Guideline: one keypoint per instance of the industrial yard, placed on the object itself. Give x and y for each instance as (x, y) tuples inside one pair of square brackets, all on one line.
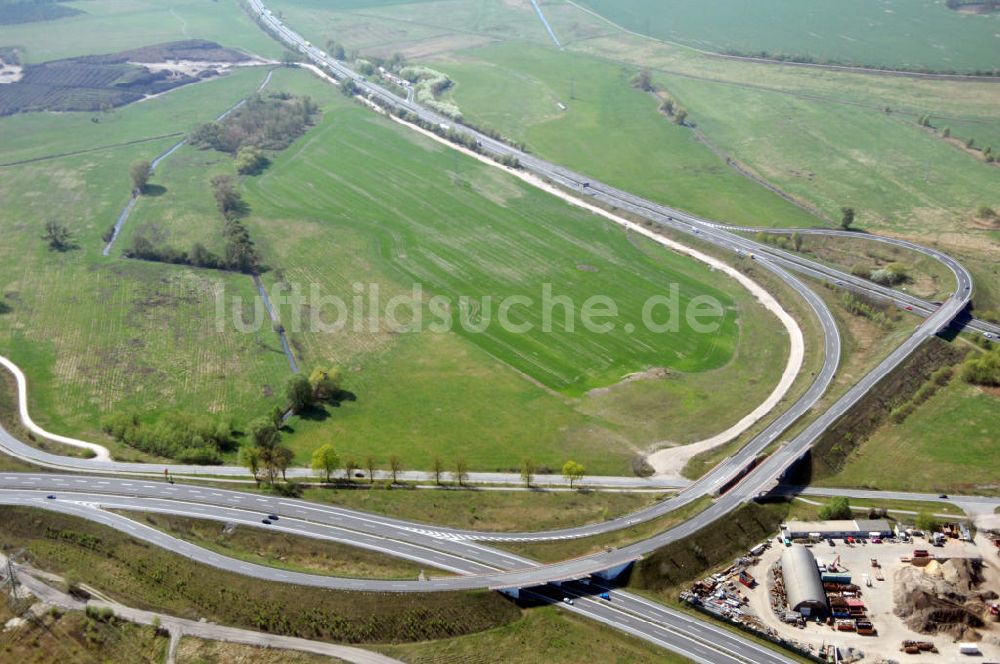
[(859, 596)]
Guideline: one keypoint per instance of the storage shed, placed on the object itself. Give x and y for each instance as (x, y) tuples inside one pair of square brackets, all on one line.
[(802, 581)]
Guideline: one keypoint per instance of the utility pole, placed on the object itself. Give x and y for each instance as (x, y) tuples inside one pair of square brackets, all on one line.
[(11, 577)]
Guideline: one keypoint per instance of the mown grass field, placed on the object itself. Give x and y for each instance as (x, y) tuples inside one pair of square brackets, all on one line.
[(949, 445), (892, 33), (108, 26)]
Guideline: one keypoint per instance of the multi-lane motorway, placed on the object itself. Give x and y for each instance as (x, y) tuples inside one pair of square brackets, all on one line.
[(466, 555)]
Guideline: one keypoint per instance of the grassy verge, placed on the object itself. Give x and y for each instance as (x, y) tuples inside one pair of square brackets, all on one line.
[(556, 550), (488, 510), (281, 550), (807, 511), (141, 575), (544, 634), (74, 638)]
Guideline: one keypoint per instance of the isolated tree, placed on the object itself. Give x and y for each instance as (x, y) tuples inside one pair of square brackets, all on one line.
[(396, 466), (58, 236), (643, 80), (970, 143), (926, 522), (336, 50), (349, 467), (283, 456), (140, 171), (371, 465), (667, 107), (986, 212), (680, 117), (946, 132), (299, 393), (797, 241), (528, 472), (838, 508), (461, 471), (846, 217), (249, 458), (263, 433), (438, 469), (325, 460), (573, 471), (325, 383)]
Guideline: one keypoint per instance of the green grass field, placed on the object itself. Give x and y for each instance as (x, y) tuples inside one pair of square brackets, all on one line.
[(897, 175), (282, 550), (419, 233), (489, 510), (609, 130), (949, 444), (94, 334), (891, 33), (343, 206), (108, 26)]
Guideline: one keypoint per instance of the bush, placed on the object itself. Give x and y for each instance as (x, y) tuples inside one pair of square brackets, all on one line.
[(838, 508), (983, 369), (189, 438)]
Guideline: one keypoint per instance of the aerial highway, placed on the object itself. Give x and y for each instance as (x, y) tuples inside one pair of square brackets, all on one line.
[(467, 554)]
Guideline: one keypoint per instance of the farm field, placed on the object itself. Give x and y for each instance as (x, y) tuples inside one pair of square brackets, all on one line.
[(393, 375), (948, 445), (609, 130), (425, 28), (107, 26), (898, 176), (907, 34)]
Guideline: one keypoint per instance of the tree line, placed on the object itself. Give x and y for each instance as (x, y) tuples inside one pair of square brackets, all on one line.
[(668, 106), (350, 89), (239, 254)]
